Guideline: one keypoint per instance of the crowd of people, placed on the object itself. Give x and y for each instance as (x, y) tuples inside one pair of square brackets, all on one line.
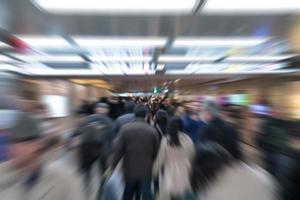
[(143, 148), (169, 154)]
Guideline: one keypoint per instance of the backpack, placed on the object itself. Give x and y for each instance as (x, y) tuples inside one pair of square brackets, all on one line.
[(95, 130)]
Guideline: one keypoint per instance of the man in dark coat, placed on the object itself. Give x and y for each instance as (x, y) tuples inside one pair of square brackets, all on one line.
[(138, 144), (127, 117), (96, 134), (219, 131)]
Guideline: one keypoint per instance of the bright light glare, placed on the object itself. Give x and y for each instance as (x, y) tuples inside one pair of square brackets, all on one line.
[(258, 58), (44, 41), (179, 72), (251, 6), (121, 58), (116, 6), (168, 58), (160, 67), (3, 45), (12, 68), (219, 42), (5, 59), (58, 58), (119, 42), (67, 72)]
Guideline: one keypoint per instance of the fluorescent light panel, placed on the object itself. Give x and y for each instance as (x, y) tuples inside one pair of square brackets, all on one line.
[(174, 72), (160, 67), (3, 45), (5, 59), (110, 42), (12, 68), (66, 72), (120, 58), (283, 71), (116, 6), (58, 58), (251, 6), (259, 58), (39, 41), (168, 58), (219, 41)]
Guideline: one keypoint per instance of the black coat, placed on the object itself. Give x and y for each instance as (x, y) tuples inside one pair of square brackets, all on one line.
[(225, 135), (138, 144)]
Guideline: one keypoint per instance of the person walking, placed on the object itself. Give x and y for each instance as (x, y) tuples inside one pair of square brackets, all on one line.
[(96, 135), (137, 143), (160, 123), (219, 131), (193, 125), (24, 174), (160, 120), (174, 159)]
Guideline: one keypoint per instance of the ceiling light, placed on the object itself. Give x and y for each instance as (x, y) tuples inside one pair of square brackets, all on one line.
[(58, 58), (100, 42), (219, 41), (120, 58), (174, 72), (5, 59), (168, 58), (4, 45), (281, 71), (251, 6), (258, 58), (116, 6), (44, 41), (160, 67), (12, 68), (67, 72)]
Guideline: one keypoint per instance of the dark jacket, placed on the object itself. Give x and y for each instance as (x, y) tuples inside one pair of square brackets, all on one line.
[(137, 143), (222, 133), (99, 143), (193, 128), (273, 138), (124, 119)]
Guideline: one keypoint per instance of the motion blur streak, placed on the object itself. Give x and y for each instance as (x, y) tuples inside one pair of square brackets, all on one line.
[(149, 99)]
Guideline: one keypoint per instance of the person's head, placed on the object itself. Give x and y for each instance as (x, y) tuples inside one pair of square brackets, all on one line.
[(192, 108), (102, 108), (210, 110), (129, 107), (161, 118), (103, 100), (141, 111), (175, 126), (209, 161)]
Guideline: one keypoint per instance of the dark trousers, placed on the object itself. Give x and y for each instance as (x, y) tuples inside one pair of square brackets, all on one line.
[(139, 188), (88, 160)]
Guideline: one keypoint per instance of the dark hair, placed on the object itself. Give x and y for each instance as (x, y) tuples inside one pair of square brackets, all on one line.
[(140, 111), (161, 119), (103, 100), (129, 107), (174, 127), (209, 161)]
